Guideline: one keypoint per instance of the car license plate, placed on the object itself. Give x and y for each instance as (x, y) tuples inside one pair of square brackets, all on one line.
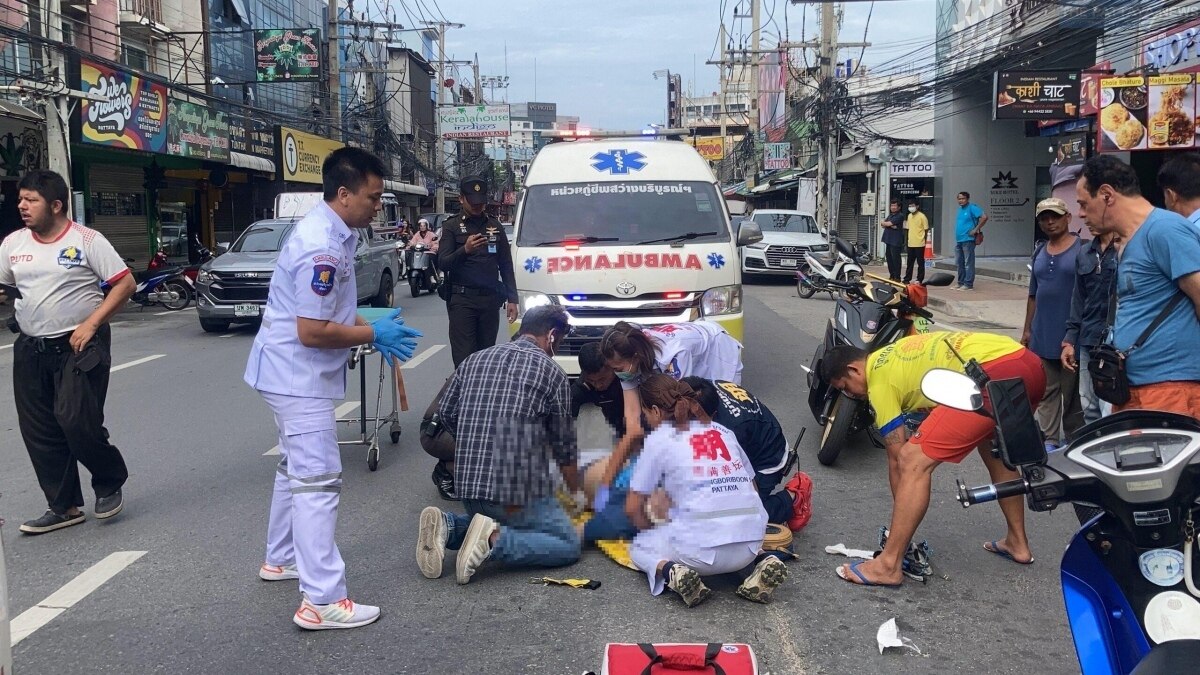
[(246, 310), (787, 262)]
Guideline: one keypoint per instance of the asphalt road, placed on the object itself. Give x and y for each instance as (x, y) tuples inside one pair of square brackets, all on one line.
[(194, 437)]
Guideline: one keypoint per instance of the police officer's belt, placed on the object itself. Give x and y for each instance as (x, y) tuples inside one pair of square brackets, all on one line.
[(471, 290)]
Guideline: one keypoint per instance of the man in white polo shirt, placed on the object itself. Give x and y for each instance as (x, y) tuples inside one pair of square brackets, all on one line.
[(298, 365), (54, 268)]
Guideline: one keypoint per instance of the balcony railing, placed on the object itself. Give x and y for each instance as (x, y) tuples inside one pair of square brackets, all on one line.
[(151, 9)]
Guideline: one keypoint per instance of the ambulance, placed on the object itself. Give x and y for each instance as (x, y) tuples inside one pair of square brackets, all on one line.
[(626, 226)]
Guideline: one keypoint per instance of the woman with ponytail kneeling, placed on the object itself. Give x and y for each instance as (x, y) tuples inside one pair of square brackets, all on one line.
[(716, 521)]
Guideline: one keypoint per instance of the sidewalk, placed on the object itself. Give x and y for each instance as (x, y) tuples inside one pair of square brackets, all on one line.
[(996, 302)]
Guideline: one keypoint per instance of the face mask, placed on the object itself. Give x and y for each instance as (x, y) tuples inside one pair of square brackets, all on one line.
[(912, 209), (625, 376)]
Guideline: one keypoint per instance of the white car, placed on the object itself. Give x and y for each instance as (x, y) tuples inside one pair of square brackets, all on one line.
[(787, 236)]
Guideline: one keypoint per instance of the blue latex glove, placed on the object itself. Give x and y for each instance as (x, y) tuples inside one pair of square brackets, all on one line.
[(601, 499), (393, 339)]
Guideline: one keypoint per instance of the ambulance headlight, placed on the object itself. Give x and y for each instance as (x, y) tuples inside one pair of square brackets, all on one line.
[(530, 299), (721, 300)]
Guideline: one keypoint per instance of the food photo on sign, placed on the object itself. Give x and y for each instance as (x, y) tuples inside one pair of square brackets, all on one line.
[(1123, 114), (1172, 111)]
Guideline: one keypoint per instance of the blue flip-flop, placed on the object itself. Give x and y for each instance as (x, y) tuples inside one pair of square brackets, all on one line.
[(995, 548), (853, 567)]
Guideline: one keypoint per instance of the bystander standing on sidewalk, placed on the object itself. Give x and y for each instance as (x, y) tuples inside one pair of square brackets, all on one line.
[(1179, 179), (1046, 316), (968, 233), (1095, 283), (1158, 276), (917, 226), (893, 239)]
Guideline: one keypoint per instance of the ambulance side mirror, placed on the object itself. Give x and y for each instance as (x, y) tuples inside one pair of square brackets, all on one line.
[(748, 233)]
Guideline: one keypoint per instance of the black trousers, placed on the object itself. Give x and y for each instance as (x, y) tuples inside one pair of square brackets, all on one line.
[(916, 258), (894, 253), (60, 410), (474, 321)]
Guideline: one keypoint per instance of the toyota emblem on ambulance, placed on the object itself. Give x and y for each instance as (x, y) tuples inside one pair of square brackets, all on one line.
[(626, 288)]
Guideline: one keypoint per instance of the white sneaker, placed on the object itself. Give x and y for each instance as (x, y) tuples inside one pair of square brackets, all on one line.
[(476, 547), (278, 572), (768, 574), (432, 535), (342, 614), (686, 582)]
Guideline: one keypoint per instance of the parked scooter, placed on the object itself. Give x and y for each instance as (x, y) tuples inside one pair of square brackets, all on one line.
[(161, 284), (1129, 575), (418, 259), (189, 273), (818, 270), (875, 312)]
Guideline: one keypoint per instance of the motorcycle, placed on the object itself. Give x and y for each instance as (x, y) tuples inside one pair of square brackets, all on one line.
[(161, 284), (418, 259), (818, 271), (872, 314), (189, 273), (1128, 580)]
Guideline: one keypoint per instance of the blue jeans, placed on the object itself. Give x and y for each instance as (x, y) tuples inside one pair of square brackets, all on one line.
[(611, 522), (538, 534), (964, 255)]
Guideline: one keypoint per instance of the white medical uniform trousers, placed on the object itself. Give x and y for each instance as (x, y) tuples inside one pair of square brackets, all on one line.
[(659, 543), (308, 486)]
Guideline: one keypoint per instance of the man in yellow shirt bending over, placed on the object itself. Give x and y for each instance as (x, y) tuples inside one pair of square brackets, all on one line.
[(891, 380)]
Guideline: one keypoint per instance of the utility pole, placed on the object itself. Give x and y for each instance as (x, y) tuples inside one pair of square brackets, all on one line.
[(724, 128), (57, 146), (755, 31), (333, 81), (827, 143), (478, 85), (440, 193)]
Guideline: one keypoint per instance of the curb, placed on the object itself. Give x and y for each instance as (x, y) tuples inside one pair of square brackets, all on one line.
[(1015, 278)]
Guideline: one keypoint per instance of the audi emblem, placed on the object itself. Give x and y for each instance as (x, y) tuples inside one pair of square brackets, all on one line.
[(626, 288)]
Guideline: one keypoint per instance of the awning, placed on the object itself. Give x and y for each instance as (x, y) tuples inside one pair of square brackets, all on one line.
[(20, 112), (405, 188), (253, 162), (784, 180)]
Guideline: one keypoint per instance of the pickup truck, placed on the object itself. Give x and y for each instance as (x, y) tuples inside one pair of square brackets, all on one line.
[(232, 288)]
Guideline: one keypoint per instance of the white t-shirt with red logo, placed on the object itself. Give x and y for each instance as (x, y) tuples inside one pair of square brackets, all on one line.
[(59, 280), (710, 482)]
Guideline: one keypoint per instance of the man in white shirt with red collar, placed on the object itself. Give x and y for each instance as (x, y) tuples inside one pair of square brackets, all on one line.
[(61, 359)]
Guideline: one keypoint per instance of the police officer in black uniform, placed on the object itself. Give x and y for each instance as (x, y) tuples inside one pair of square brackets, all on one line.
[(474, 254)]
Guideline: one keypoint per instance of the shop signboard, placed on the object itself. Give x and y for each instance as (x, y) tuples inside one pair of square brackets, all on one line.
[(473, 121), (1036, 95), (196, 131), (1147, 113), (777, 156), (252, 137), (1089, 82), (1174, 50), (134, 116), (1010, 197), (288, 54), (301, 155), (711, 148), (911, 169)]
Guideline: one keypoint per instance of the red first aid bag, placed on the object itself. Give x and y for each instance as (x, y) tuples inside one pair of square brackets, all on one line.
[(713, 658)]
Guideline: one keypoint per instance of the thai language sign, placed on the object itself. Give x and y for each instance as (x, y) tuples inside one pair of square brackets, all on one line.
[(288, 54), (134, 116), (195, 131), (473, 121)]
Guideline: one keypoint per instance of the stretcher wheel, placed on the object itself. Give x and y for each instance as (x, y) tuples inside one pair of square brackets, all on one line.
[(373, 457), (395, 434)]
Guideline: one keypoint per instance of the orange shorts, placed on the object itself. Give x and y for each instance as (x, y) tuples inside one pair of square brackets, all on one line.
[(949, 435), (1177, 397)]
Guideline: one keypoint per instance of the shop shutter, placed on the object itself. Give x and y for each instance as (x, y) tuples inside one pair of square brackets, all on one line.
[(117, 203), (847, 225)]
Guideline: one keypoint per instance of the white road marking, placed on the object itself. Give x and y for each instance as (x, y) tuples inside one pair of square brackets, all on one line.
[(416, 360), (5, 347), (227, 335), (75, 590), (176, 311), (339, 412), (137, 362)]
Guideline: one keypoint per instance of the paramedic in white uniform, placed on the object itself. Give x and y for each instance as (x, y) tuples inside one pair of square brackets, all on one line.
[(298, 364), (694, 348), (716, 520)]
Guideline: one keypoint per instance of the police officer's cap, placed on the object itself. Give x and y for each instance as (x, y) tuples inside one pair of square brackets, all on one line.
[(474, 190)]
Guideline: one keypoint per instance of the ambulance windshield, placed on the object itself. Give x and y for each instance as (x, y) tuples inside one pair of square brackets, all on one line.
[(622, 214)]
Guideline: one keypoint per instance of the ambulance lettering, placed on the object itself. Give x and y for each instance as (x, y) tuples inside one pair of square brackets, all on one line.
[(620, 261)]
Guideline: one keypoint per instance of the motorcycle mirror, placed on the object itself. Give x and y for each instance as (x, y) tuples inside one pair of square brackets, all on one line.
[(748, 233), (951, 388)]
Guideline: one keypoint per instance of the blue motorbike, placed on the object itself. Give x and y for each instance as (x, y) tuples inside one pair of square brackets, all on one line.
[(1127, 576)]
